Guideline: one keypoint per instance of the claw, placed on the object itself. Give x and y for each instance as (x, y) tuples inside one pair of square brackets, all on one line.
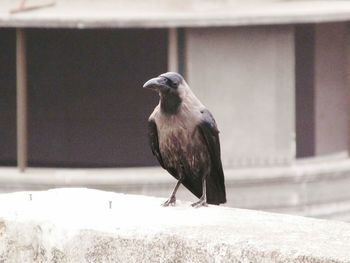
[(171, 201), (200, 203)]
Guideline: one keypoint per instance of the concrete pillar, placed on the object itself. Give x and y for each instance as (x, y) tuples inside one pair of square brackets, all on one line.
[(331, 88), (173, 64), (21, 71), (245, 76)]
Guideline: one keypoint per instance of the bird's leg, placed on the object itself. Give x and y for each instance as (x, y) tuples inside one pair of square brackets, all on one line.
[(172, 199), (203, 200)]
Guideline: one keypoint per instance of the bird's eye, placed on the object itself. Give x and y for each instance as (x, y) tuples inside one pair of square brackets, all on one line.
[(173, 84), (170, 83)]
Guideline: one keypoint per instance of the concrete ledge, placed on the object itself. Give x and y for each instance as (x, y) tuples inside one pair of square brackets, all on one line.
[(81, 225), (174, 13), (316, 187)]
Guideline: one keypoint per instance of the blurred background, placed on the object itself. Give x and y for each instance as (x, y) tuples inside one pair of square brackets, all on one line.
[(275, 74)]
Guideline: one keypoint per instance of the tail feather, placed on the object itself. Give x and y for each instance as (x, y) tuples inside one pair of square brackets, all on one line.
[(216, 193), (215, 188)]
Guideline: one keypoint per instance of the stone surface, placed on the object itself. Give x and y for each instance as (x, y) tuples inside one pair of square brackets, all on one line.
[(81, 225)]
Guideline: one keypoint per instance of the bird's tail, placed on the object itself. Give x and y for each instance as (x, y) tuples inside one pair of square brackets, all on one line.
[(215, 187), (216, 193)]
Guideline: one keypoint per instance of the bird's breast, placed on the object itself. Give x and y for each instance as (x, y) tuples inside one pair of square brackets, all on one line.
[(180, 143)]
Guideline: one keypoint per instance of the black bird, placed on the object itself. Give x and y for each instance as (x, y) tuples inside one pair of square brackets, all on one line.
[(185, 139)]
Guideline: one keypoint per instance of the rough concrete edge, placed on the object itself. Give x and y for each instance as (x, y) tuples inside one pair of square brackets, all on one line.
[(95, 246)]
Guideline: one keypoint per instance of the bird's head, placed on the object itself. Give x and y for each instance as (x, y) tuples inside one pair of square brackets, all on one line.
[(173, 91), (167, 83)]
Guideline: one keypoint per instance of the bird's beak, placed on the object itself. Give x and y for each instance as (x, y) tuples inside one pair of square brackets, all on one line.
[(155, 83)]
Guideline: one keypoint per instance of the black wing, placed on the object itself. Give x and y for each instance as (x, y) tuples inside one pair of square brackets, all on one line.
[(216, 192), (153, 141)]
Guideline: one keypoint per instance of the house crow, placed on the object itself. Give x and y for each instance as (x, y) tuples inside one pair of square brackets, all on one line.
[(184, 138)]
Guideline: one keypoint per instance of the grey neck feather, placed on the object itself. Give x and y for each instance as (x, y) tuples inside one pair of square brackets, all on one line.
[(170, 103)]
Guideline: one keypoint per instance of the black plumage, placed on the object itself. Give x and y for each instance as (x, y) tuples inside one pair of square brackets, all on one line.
[(185, 140)]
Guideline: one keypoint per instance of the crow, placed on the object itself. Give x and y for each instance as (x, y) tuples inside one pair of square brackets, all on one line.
[(184, 138)]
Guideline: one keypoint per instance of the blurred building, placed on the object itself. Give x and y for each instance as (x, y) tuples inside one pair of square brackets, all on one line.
[(274, 73)]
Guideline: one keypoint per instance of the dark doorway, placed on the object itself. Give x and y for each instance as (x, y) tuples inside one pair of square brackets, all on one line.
[(7, 97), (86, 104), (304, 91)]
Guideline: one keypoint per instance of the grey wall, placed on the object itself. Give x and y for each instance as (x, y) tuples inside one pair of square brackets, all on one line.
[(245, 76)]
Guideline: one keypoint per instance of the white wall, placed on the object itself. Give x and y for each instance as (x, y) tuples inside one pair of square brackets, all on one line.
[(245, 76)]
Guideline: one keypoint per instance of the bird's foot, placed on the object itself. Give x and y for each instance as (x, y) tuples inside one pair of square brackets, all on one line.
[(200, 203), (171, 201)]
